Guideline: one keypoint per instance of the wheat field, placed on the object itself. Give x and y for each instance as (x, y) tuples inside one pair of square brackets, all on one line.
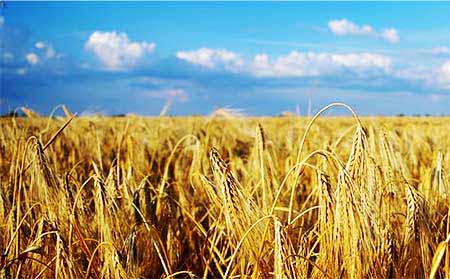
[(217, 197)]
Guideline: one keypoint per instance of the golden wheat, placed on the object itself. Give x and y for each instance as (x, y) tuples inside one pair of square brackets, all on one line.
[(224, 197)]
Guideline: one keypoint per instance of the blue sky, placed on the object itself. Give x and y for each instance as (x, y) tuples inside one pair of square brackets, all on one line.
[(264, 58)]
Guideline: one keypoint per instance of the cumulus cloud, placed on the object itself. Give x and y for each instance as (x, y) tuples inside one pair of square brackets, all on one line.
[(344, 27), (295, 64), (213, 59), (444, 75), (39, 45), (32, 58), (170, 94), (440, 50), (8, 56), (317, 64), (178, 94), (22, 71), (47, 48), (436, 98), (390, 35), (115, 50), (50, 52), (437, 76)]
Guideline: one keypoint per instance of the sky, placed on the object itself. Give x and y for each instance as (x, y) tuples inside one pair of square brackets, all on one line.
[(381, 58)]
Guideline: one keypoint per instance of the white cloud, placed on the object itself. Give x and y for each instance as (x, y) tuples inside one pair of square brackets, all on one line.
[(344, 27), (416, 72), (444, 75), (115, 50), (47, 48), (434, 77), (436, 98), (50, 52), (8, 56), (440, 50), (39, 45), (170, 94), (213, 59), (178, 94), (295, 64), (261, 65), (22, 71), (390, 35), (2, 21), (317, 64), (32, 58)]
